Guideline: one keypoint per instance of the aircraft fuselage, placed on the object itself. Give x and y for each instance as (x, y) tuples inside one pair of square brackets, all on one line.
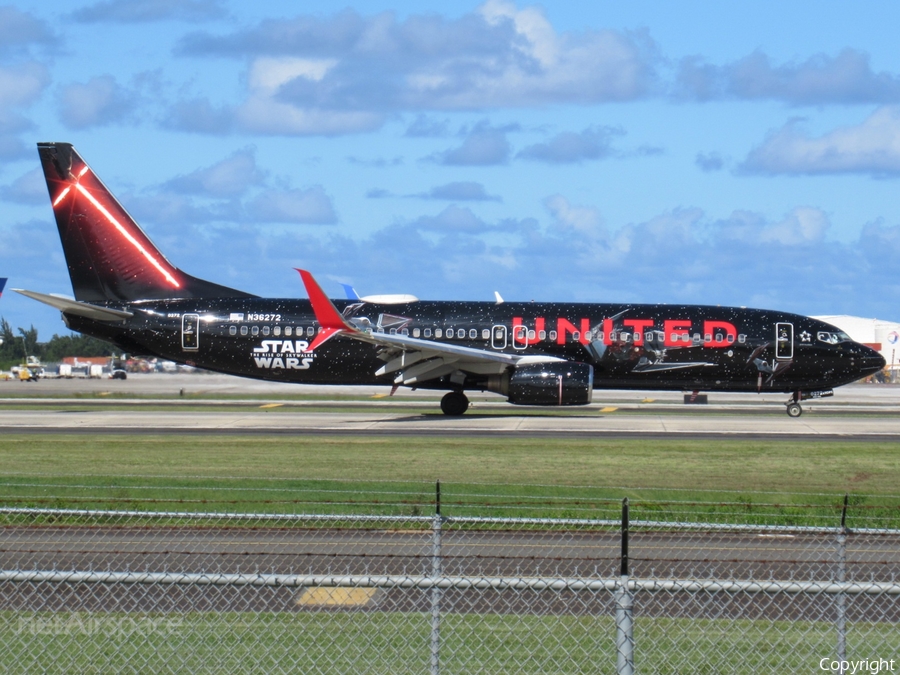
[(127, 292), (665, 347)]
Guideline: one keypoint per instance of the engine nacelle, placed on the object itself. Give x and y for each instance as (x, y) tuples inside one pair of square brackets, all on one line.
[(551, 383)]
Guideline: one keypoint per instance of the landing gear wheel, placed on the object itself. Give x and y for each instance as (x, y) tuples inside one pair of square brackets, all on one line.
[(794, 410), (454, 403)]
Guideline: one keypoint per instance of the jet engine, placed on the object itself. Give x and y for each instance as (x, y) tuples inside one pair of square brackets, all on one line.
[(550, 383)]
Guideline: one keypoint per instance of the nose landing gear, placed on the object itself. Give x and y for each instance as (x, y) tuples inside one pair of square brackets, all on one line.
[(793, 405)]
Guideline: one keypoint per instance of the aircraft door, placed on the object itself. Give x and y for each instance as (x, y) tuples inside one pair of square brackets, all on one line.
[(498, 337), (190, 332), (784, 341)]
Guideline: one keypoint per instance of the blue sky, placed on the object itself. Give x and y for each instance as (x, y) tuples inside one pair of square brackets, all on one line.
[(638, 152)]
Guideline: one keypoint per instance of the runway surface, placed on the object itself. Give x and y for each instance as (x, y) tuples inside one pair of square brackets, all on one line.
[(698, 425), (184, 404), (209, 403)]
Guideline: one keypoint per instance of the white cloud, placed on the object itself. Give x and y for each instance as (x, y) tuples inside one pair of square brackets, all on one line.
[(586, 221), (19, 29), (142, 11), (709, 162), (268, 74), (347, 73), (872, 147), (13, 148), (845, 78), (804, 225), (311, 206), (29, 188), (97, 102), (200, 115), (22, 85), (460, 191), (265, 115), (574, 147), (229, 177), (453, 219), (484, 145)]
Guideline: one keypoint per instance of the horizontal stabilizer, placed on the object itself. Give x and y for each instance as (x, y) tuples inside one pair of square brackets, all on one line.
[(75, 307)]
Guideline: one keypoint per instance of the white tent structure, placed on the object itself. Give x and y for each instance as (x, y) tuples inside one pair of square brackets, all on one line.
[(883, 336)]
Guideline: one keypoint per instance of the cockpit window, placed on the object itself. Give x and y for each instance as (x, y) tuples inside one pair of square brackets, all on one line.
[(833, 337)]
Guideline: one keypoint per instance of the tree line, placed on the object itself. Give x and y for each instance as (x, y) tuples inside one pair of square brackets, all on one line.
[(16, 346)]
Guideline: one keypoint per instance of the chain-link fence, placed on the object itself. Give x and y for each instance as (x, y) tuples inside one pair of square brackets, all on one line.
[(141, 591)]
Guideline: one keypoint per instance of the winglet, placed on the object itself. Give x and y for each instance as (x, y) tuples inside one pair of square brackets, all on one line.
[(350, 292), (330, 320), (2, 285)]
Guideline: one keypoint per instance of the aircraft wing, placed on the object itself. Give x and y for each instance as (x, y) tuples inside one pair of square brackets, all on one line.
[(412, 359), (663, 367)]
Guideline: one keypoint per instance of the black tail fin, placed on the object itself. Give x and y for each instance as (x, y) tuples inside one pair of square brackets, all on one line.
[(109, 256)]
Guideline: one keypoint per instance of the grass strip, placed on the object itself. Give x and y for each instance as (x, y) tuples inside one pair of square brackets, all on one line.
[(398, 642), (776, 482)]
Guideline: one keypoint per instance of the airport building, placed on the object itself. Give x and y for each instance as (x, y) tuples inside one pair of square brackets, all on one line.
[(883, 336)]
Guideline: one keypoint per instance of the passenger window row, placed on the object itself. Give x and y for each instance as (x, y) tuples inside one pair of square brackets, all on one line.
[(277, 331), (472, 334)]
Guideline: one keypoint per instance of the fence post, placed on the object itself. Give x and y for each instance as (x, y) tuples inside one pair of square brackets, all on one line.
[(624, 607), (436, 571), (841, 599)]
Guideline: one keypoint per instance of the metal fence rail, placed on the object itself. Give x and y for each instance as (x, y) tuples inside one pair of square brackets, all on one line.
[(135, 591)]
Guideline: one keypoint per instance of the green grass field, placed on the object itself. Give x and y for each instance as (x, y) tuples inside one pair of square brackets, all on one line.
[(799, 481), (398, 642), (773, 482)]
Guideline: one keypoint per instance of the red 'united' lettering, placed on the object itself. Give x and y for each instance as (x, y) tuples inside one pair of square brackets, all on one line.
[(714, 329), (521, 337), (638, 326), (607, 331), (564, 326), (677, 332)]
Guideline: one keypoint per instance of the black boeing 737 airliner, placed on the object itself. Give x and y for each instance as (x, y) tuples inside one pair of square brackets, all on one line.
[(546, 354)]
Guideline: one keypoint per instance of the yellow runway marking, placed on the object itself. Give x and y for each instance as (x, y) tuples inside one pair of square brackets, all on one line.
[(344, 597), (648, 400), (608, 409), (380, 395), (272, 405)]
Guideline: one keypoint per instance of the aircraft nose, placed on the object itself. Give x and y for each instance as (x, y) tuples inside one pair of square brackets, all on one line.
[(869, 360)]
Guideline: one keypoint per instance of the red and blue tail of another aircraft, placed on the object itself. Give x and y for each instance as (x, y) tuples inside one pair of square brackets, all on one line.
[(108, 255)]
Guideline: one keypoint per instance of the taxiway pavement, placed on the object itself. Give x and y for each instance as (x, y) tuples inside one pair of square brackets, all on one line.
[(160, 404)]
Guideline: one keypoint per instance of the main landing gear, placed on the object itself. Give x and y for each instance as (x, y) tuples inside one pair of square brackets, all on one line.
[(454, 403)]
